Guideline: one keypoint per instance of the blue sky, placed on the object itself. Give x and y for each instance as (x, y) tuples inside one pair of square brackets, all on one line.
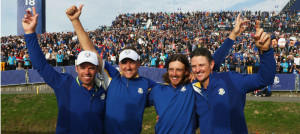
[(99, 12)]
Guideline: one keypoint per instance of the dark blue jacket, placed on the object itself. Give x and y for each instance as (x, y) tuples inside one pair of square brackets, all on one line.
[(220, 107), (176, 106), (80, 111), (126, 101)]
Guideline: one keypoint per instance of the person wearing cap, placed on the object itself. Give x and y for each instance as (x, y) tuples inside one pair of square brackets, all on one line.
[(127, 92), (284, 66), (293, 41), (80, 100)]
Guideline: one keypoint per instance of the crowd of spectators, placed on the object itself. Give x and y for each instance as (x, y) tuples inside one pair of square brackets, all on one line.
[(159, 35)]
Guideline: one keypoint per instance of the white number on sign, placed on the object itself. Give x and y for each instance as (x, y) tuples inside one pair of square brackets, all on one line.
[(30, 2)]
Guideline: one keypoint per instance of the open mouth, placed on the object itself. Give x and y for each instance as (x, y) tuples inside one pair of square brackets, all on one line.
[(87, 77), (199, 74)]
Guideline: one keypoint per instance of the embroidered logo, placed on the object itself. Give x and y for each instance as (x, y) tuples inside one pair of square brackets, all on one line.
[(102, 97), (221, 91), (140, 91), (183, 89), (87, 54), (127, 52), (276, 80)]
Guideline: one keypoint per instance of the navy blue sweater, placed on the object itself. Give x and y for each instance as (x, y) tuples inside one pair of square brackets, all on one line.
[(220, 107), (80, 111)]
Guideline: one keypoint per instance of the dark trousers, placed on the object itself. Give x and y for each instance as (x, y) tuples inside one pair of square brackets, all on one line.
[(53, 62), (59, 63)]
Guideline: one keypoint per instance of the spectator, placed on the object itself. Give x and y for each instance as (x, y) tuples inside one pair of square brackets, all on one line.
[(145, 63), (153, 61), (19, 67), (48, 56), (256, 64), (290, 61), (11, 62), (179, 34), (3, 61), (238, 65), (59, 58), (284, 66), (53, 57), (161, 64), (249, 65), (66, 58), (27, 63), (109, 60), (297, 59), (294, 69), (279, 68), (72, 58), (113, 59)]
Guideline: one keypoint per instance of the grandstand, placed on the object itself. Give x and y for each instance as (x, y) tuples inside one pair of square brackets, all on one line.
[(292, 5), (165, 33)]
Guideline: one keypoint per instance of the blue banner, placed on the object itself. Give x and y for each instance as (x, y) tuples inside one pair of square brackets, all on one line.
[(152, 73), (71, 70), (34, 76), (284, 82), (40, 6), (13, 77)]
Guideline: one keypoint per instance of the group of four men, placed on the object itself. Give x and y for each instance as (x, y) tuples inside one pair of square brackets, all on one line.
[(103, 100)]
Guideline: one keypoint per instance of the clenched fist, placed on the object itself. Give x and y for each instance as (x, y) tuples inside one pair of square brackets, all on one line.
[(73, 13)]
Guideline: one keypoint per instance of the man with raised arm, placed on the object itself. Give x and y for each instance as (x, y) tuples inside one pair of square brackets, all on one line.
[(175, 101), (220, 97), (80, 101), (127, 93)]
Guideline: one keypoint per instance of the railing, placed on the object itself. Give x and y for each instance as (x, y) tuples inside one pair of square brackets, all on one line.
[(282, 82)]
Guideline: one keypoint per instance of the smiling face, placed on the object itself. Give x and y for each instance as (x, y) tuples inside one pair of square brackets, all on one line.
[(86, 74), (129, 68), (274, 42), (176, 73), (202, 68)]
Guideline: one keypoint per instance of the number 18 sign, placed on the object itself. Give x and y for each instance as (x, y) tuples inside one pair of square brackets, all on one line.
[(40, 6)]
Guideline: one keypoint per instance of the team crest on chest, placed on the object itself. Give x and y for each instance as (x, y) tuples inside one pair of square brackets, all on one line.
[(183, 89), (221, 91), (140, 91), (102, 97)]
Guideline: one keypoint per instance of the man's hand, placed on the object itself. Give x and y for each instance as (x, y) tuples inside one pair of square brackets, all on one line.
[(29, 21), (73, 13), (262, 39), (238, 28), (192, 77)]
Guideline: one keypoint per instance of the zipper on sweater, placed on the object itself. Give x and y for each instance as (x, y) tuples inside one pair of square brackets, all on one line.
[(91, 102), (127, 83)]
